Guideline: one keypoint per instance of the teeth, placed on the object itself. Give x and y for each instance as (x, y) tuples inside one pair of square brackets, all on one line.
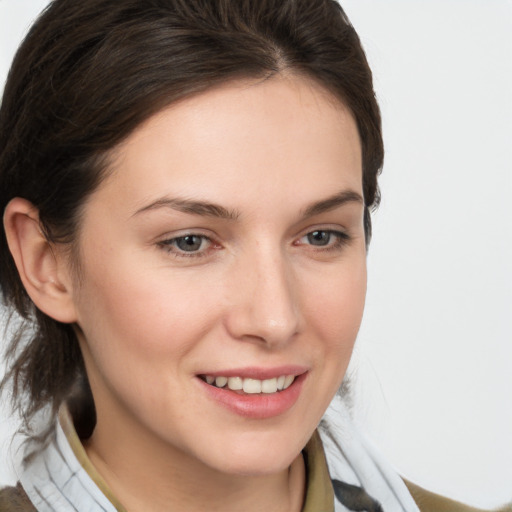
[(288, 381), (235, 383), (220, 382), (269, 386), (252, 386)]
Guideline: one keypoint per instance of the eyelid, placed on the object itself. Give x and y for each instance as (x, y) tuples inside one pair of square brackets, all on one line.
[(330, 228)]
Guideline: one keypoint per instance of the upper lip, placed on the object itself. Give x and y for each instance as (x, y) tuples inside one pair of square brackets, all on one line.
[(260, 373)]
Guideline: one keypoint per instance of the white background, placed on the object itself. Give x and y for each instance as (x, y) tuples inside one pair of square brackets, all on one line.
[(433, 366)]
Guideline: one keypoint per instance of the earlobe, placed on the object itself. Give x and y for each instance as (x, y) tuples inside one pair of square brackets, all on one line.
[(43, 269)]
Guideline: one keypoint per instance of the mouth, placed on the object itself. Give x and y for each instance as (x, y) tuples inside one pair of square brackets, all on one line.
[(246, 385), (243, 393)]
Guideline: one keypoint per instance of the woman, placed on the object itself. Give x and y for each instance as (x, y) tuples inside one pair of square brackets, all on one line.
[(187, 188)]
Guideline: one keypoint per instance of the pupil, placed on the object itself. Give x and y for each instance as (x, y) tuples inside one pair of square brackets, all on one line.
[(189, 243), (319, 237)]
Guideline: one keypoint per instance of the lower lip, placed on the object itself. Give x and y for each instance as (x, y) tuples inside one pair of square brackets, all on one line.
[(258, 405)]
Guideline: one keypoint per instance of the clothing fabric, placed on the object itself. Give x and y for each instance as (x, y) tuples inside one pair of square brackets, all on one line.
[(344, 472), (352, 459), (61, 477)]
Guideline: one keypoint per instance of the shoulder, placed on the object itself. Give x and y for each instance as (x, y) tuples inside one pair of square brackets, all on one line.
[(430, 502), (14, 499)]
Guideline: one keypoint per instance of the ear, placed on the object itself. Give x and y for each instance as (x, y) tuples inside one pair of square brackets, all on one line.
[(42, 266)]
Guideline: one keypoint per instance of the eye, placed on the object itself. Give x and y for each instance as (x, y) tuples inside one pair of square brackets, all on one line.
[(324, 239), (187, 245), (319, 237)]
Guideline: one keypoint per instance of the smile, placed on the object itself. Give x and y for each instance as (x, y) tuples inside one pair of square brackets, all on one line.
[(255, 393), (251, 386)]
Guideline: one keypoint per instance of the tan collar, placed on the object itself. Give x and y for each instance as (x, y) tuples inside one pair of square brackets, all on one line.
[(319, 491), (66, 422)]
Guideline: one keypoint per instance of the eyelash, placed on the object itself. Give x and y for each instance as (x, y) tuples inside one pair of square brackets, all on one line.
[(170, 245)]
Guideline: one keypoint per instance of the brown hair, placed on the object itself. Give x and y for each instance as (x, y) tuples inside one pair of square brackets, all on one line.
[(89, 72)]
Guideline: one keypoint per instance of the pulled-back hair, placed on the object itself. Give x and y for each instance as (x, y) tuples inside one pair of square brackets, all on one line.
[(89, 72)]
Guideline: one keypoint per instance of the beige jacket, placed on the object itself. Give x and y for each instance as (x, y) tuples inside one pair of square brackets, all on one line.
[(14, 499)]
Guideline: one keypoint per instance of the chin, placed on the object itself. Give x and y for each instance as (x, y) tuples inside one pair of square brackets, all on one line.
[(255, 457), (269, 464)]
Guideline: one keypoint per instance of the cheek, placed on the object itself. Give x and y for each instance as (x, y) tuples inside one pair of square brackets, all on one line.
[(332, 315), (139, 330), (148, 315), (336, 308)]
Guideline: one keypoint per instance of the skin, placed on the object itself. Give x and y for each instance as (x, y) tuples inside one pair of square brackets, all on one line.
[(258, 292)]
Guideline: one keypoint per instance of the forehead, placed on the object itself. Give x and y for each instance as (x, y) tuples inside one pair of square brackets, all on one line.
[(288, 133)]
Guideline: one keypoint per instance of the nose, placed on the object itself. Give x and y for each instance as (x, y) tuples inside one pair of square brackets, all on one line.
[(263, 299)]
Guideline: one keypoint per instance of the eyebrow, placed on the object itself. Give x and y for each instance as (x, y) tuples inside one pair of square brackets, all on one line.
[(189, 206), (207, 209), (333, 202)]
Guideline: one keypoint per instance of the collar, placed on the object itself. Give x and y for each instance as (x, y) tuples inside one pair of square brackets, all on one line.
[(62, 477)]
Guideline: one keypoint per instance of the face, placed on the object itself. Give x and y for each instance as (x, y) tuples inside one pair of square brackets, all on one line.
[(223, 275)]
